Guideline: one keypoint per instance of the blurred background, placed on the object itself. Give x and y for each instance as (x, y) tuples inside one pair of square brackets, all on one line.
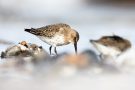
[(91, 18)]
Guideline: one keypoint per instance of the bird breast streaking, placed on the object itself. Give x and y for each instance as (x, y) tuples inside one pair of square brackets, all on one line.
[(56, 35)]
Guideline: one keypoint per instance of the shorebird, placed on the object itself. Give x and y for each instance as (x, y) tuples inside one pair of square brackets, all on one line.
[(16, 50), (111, 46), (24, 49), (56, 35)]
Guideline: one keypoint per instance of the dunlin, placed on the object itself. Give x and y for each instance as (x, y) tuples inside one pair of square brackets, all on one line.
[(56, 35), (111, 45)]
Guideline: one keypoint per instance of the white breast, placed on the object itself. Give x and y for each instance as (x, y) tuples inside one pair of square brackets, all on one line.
[(106, 50), (57, 40)]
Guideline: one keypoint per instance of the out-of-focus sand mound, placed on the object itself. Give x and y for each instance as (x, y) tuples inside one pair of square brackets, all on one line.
[(64, 72), (67, 64)]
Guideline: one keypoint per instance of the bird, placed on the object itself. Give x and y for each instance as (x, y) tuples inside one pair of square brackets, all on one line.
[(21, 49), (24, 49), (58, 34), (112, 46)]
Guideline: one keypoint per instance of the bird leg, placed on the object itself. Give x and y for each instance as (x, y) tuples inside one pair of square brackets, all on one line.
[(55, 50), (50, 49)]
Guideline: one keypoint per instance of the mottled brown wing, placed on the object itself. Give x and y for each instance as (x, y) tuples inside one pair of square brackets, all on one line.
[(63, 25), (48, 31)]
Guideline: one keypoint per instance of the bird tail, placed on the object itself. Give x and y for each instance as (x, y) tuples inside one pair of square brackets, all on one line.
[(27, 30), (32, 31)]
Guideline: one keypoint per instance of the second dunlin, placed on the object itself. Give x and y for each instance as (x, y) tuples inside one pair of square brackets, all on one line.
[(111, 46)]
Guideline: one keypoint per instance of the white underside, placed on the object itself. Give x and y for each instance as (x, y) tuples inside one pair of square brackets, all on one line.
[(126, 58), (106, 50), (57, 40)]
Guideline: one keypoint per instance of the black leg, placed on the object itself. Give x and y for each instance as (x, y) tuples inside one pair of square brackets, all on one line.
[(50, 49), (101, 56), (55, 51), (75, 46)]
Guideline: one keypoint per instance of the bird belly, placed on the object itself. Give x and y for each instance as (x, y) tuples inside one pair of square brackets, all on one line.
[(57, 40)]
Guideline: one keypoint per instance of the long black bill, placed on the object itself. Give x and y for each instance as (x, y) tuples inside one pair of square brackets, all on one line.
[(75, 46)]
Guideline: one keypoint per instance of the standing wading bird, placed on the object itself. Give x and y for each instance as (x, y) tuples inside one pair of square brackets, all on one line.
[(111, 46), (56, 35)]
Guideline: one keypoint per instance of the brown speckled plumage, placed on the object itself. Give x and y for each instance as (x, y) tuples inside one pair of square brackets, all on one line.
[(114, 41), (110, 47), (49, 30)]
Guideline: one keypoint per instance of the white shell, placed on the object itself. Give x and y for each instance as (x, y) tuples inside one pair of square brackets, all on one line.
[(107, 50)]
